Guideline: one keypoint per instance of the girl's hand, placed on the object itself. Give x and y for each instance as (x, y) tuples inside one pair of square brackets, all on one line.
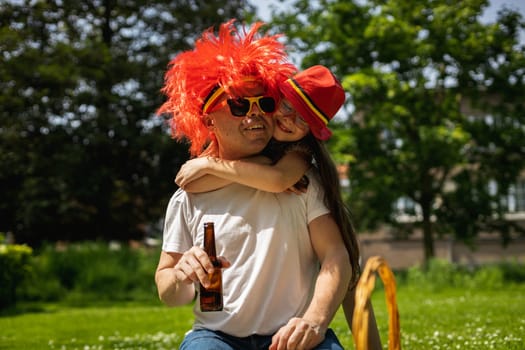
[(300, 186), (192, 170)]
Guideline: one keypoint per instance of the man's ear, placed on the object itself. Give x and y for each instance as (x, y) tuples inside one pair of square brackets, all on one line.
[(209, 122)]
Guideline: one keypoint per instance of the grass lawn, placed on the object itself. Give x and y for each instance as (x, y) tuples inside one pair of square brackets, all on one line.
[(450, 319)]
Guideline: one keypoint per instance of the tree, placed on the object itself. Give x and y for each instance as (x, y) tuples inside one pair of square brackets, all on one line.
[(416, 72), (81, 152)]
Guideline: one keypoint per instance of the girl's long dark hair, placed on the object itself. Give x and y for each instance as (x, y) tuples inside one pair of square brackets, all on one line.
[(333, 199), (329, 180)]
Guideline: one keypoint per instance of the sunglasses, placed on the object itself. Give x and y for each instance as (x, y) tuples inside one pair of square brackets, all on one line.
[(241, 106), (287, 111)]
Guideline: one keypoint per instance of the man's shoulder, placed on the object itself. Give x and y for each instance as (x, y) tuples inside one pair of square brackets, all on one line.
[(177, 197), (179, 193)]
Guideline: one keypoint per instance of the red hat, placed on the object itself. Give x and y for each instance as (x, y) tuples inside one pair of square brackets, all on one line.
[(316, 95)]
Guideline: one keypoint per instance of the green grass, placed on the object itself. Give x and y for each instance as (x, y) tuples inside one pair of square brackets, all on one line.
[(102, 327), (445, 319), (455, 319)]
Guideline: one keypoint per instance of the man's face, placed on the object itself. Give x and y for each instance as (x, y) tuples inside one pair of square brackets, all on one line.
[(242, 136)]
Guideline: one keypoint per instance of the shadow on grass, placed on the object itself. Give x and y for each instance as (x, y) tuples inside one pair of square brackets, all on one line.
[(26, 308)]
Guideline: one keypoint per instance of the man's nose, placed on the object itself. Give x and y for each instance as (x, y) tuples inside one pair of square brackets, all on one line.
[(254, 109)]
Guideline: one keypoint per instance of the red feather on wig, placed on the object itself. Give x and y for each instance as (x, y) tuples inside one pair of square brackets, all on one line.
[(227, 60)]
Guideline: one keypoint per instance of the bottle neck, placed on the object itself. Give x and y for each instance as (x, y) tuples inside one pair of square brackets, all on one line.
[(209, 240)]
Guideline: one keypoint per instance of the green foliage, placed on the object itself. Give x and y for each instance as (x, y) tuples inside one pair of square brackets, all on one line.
[(14, 269), (82, 154), (437, 107), (88, 272), (92, 272), (439, 275)]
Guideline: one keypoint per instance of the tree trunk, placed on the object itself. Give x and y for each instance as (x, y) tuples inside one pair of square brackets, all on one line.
[(428, 239)]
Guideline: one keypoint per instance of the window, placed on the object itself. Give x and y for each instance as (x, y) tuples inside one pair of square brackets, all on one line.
[(516, 197)]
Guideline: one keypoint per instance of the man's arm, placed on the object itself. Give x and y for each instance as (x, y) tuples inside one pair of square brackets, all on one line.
[(171, 291), (330, 288)]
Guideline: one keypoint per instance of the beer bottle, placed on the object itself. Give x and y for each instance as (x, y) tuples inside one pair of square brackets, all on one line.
[(211, 297)]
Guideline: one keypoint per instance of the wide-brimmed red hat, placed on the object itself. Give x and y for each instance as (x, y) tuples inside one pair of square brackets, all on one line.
[(316, 95)]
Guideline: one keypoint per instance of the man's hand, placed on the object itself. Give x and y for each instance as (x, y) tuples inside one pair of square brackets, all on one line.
[(297, 334), (194, 266)]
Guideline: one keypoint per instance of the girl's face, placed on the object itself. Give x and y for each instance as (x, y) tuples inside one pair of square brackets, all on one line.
[(289, 126)]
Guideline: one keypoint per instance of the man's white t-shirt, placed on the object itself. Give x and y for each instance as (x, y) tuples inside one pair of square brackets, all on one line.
[(265, 237)]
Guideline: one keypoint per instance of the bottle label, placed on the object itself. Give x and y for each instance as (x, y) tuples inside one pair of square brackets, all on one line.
[(211, 297)]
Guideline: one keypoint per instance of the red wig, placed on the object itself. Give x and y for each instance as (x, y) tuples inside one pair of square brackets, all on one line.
[(223, 61)]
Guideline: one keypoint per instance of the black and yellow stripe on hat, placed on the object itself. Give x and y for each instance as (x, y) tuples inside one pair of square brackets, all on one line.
[(306, 99), (212, 97)]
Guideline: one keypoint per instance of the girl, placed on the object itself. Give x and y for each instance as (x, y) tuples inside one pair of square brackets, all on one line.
[(310, 99)]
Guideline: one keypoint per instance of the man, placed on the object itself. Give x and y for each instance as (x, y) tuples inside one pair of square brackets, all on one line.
[(286, 267)]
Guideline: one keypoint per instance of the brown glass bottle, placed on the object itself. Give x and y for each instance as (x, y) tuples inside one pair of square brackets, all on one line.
[(211, 297)]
